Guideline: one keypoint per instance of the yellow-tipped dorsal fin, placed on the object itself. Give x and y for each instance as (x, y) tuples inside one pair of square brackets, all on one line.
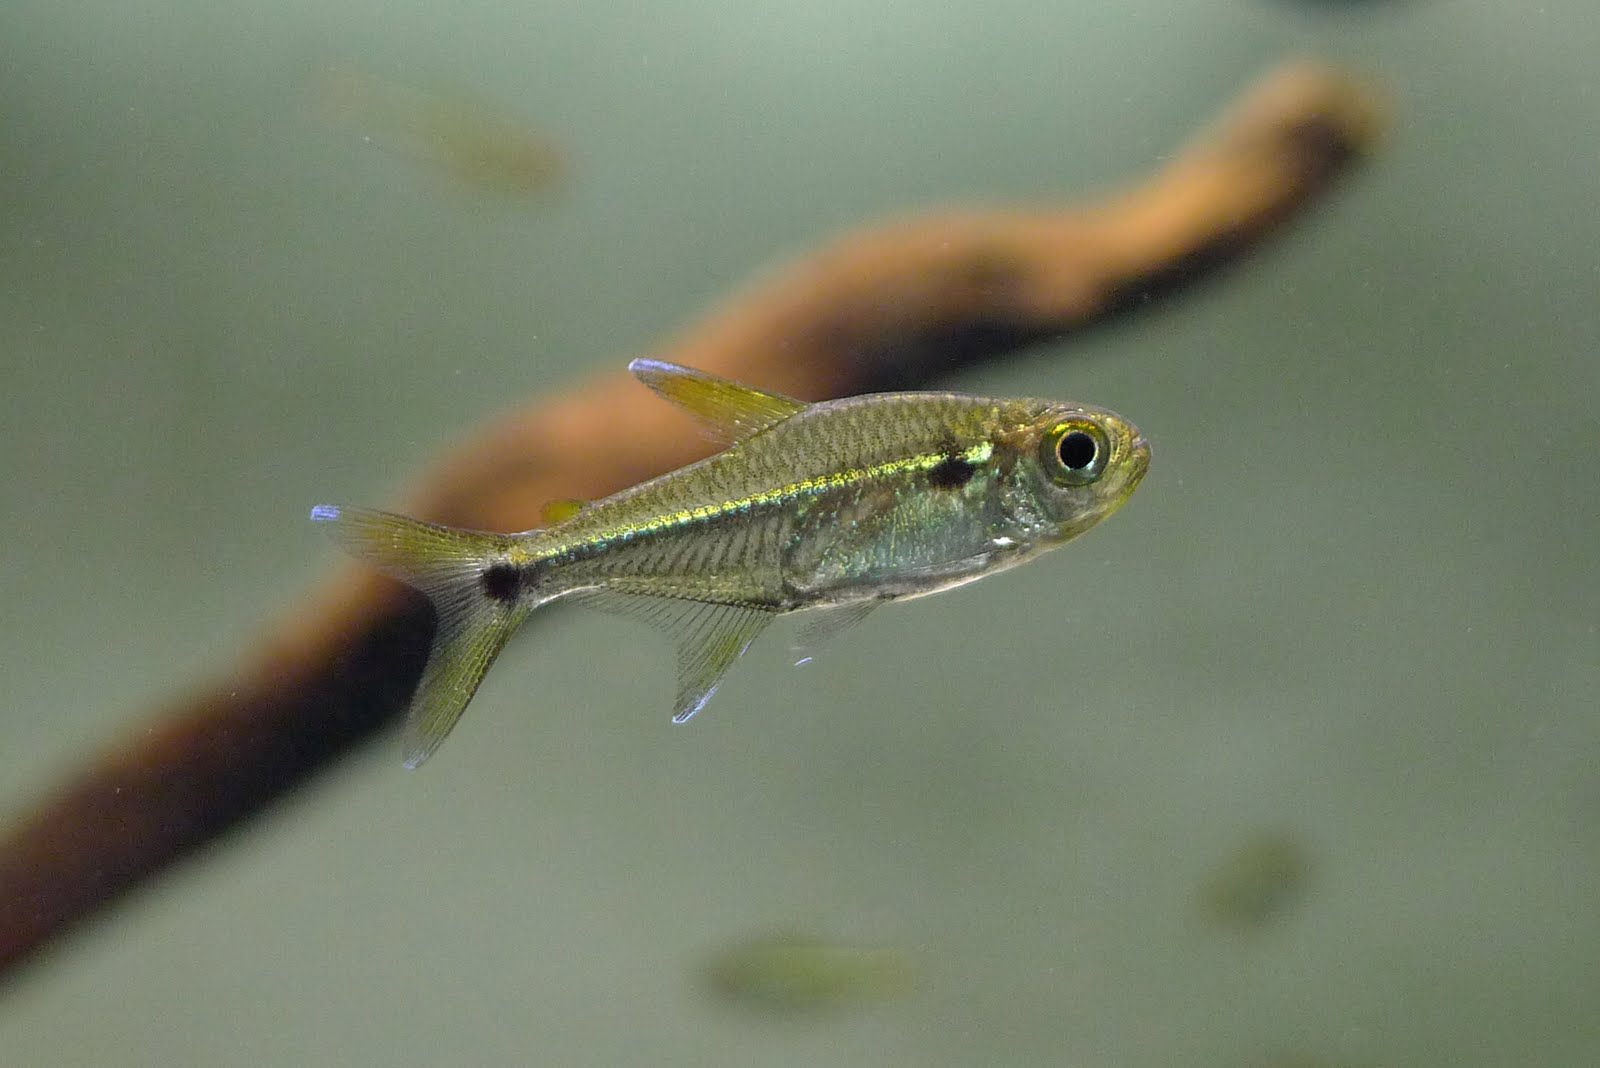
[(561, 509), (731, 411)]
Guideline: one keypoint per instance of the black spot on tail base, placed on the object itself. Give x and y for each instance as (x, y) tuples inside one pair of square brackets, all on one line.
[(501, 582), (952, 472)]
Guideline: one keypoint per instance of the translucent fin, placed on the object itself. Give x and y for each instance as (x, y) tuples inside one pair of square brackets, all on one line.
[(435, 559), (718, 636), (731, 411), (477, 595), (561, 509), (710, 637), (822, 625), (470, 634)]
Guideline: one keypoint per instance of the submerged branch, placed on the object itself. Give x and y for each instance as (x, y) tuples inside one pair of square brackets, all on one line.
[(881, 308)]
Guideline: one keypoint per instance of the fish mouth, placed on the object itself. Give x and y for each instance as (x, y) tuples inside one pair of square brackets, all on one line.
[(1130, 472), (1138, 462)]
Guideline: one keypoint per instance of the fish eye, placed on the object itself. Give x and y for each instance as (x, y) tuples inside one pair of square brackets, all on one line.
[(1076, 450), (1075, 453)]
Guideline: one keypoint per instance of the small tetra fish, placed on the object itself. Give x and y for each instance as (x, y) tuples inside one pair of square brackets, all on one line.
[(830, 508), (797, 974), (473, 142), (1261, 878)]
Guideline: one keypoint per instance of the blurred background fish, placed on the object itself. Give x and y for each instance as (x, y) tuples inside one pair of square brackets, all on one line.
[(475, 144), (789, 973), (1265, 875)]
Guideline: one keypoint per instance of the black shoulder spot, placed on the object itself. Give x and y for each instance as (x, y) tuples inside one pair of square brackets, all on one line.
[(951, 472)]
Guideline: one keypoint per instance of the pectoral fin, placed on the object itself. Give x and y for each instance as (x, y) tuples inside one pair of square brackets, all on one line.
[(729, 410), (710, 637)]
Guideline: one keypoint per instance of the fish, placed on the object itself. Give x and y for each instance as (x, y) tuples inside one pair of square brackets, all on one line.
[(826, 509), (1258, 880), (476, 144), (790, 973)]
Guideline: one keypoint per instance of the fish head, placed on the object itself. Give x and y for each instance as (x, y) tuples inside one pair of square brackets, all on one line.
[(1075, 465)]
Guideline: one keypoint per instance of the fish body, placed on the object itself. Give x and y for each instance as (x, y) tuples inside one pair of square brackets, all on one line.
[(1264, 876), (473, 142), (829, 508), (794, 974)]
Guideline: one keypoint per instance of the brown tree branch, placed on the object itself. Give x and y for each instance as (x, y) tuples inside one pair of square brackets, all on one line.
[(881, 308)]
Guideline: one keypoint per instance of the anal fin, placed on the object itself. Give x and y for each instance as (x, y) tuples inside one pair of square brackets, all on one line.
[(710, 636)]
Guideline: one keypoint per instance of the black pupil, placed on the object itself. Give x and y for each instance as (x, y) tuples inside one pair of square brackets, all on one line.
[(1076, 450)]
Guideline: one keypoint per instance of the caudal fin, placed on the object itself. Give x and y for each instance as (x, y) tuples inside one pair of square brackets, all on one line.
[(476, 592)]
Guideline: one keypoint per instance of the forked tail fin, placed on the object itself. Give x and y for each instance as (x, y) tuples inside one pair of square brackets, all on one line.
[(477, 593)]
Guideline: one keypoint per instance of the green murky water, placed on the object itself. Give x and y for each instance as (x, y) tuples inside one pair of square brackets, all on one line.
[(1356, 601)]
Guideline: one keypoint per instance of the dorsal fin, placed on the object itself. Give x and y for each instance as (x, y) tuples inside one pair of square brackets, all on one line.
[(560, 510), (731, 411)]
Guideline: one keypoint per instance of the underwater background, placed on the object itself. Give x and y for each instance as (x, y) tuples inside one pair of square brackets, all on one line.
[(1295, 761)]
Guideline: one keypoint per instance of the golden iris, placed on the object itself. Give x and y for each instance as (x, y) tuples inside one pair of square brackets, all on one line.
[(1075, 452)]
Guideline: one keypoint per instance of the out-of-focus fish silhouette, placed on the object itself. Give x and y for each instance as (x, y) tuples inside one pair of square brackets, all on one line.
[(476, 145), (785, 973), (1260, 879)]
